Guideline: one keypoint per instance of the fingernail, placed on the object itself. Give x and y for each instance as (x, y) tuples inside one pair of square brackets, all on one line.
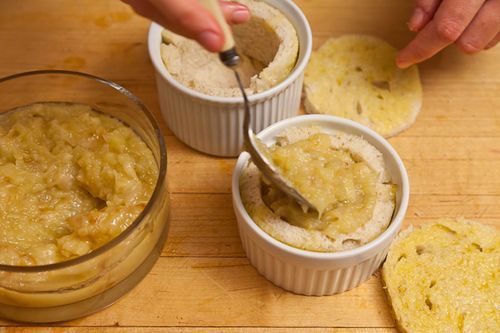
[(469, 48), (240, 15), (233, 6), (210, 40), (402, 63), (416, 20)]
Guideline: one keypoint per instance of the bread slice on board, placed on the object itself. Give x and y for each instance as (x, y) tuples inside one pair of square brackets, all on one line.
[(445, 277), (355, 77)]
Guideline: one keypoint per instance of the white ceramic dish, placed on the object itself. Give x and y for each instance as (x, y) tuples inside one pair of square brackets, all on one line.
[(212, 124), (314, 273)]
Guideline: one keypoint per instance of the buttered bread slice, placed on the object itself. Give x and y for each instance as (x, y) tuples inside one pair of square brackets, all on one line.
[(445, 277), (355, 77)]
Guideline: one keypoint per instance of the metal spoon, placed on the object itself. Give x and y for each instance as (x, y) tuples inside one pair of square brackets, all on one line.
[(265, 166), (231, 59)]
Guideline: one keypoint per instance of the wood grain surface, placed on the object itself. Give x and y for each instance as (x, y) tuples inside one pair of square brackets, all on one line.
[(203, 282)]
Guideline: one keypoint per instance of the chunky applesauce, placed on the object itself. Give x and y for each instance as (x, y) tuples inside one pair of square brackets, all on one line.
[(341, 187), (71, 179)]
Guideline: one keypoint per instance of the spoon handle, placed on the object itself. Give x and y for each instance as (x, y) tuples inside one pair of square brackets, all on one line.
[(214, 8)]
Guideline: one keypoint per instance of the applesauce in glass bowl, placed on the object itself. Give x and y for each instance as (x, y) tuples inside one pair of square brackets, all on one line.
[(84, 194)]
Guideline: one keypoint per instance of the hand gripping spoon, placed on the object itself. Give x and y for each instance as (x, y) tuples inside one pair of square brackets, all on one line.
[(231, 59)]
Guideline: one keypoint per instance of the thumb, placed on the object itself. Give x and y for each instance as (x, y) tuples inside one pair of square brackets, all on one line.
[(189, 18)]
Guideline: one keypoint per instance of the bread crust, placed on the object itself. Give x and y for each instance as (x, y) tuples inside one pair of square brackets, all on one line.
[(282, 63)]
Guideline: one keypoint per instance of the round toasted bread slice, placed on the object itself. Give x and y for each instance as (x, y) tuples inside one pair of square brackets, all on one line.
[(356, 77), (445, 277)]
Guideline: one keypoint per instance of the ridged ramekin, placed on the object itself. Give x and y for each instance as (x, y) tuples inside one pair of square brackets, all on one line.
[(316, 273), (213, 124)]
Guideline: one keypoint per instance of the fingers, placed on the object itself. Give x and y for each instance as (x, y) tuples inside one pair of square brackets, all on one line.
[(423, 13), (234, 12), (449, 22), (494, 42), (190, 19), (483, 29)]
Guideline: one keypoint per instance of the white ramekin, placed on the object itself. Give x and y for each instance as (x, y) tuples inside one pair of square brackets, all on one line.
[(314, 273), (212, 124)]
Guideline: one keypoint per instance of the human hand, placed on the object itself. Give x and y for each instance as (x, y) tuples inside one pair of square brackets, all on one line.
[(190, 19), (473, 25)]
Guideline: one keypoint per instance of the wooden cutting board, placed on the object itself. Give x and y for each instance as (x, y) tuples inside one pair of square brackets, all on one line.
[(203, 282)]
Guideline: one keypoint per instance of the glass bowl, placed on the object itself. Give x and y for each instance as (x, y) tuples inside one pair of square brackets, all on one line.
[(86, 284)]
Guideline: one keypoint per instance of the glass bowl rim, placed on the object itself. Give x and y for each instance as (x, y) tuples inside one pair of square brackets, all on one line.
[(154, 196)]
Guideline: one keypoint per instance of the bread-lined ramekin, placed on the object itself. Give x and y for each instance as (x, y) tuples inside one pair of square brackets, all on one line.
[(212, 124), (320, 273)]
